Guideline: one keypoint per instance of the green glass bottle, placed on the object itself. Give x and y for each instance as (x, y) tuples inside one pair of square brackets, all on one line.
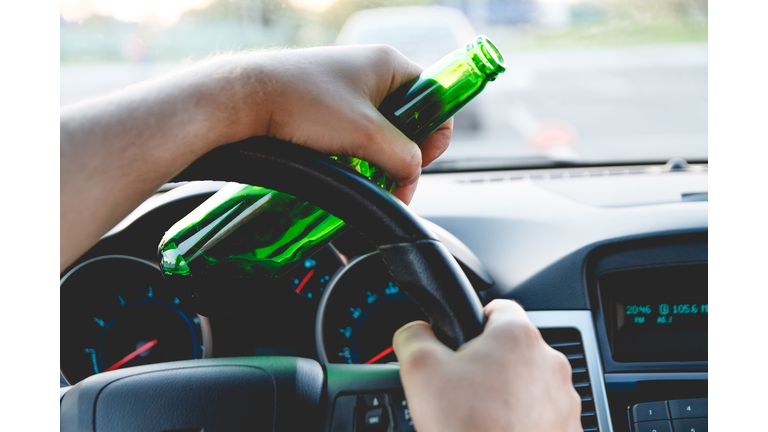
[(258, 234)]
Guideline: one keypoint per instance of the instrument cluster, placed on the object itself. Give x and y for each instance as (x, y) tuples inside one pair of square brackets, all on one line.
[(117, 311)]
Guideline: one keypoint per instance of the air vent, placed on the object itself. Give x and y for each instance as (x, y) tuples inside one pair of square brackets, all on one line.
[(568, 342)]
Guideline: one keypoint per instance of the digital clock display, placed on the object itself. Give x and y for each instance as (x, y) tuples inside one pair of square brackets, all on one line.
[(657, 314), (678, 313)]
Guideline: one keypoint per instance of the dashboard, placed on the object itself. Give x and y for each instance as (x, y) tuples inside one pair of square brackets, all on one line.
[(610, 263)]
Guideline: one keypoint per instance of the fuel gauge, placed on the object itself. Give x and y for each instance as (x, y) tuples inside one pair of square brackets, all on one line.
[(310, 278)]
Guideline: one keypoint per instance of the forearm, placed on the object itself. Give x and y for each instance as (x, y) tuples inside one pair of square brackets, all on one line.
[(117, 150)]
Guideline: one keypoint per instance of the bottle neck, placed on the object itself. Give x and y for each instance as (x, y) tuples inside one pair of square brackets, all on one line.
[(486, 57)]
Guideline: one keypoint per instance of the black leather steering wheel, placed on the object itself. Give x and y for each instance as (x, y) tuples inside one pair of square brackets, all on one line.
[(287, 393)]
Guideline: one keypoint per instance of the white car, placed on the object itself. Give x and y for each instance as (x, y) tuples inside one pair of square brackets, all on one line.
[(424, 34)]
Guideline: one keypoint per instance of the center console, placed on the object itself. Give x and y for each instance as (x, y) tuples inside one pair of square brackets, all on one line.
[(650, 302)]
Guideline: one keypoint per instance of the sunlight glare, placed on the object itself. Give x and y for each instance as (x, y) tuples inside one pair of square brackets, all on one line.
[(165, 12), (312, 5)]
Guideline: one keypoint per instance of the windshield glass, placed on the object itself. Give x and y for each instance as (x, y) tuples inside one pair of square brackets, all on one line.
[(588, 82)]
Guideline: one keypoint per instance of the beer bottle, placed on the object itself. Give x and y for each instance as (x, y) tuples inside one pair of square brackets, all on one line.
[(258, 234)]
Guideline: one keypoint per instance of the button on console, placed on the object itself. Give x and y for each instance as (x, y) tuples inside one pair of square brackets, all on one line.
[(654, 426), (690, 425), (689, 408), (650, 411)]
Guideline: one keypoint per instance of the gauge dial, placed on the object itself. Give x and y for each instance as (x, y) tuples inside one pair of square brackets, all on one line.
[(116, 313), (361, 311), (311, 277)]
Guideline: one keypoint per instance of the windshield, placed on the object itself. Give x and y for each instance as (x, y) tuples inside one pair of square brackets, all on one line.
[(588, 82)]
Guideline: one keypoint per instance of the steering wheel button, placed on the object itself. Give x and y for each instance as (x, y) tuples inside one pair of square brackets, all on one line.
[(374, 400), (689, 408), (403, 419), (375, 419), (650, 411)]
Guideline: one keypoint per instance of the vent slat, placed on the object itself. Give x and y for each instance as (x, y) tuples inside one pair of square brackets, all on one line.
[(589, 421), (568, 341), (557, 345)]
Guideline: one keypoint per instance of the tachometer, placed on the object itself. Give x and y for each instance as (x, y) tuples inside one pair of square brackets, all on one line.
[(310, 278), (116, 312), (360, 311)]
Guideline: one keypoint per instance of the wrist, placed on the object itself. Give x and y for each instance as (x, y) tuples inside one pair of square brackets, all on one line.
[(236, 94)]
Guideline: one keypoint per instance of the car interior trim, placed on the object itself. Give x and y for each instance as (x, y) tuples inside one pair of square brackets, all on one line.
[(582, 321)]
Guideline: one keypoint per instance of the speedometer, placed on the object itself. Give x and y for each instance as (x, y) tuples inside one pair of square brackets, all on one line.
[(116, 312), (360, 311)]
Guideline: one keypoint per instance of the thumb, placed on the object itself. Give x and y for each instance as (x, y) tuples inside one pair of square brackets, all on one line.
[(417, 339)]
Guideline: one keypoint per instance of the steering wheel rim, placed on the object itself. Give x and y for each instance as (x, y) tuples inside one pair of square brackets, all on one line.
[(420, 264)]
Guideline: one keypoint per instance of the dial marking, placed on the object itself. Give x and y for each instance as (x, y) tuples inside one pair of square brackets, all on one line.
[(92, 352)]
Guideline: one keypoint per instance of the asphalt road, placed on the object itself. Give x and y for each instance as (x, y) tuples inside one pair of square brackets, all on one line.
[(599, 105)]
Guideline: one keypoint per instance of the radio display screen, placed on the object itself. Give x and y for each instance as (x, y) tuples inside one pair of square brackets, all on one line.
[(658, 314), (689, 313)]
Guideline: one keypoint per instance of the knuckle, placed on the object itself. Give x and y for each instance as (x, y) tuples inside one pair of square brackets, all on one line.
[(520, 333), (387, 52), (421, 359), (563, 367), (368, 129)]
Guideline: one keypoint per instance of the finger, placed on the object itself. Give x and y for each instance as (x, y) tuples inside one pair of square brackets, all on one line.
[(501, 312), (400, 68), (405, 193), (414, 339), (381, 143), (436, 143)]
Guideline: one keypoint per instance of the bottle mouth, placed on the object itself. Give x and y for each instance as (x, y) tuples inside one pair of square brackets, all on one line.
[(491, 60)]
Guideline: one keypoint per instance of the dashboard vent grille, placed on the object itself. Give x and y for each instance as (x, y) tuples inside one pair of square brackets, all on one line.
[(568, 342), (569, 173)]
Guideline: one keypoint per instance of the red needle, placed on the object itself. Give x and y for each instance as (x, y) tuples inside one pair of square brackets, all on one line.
[(130, 356), (380, 355), (304, 281)]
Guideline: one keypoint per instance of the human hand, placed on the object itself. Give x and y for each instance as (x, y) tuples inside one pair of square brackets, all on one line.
[(326, 99), (507, 379)]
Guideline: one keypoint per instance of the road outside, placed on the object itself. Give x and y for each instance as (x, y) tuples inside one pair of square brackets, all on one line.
[(595, 105)]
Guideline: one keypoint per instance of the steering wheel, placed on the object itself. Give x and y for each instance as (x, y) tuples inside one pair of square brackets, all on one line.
[(289, 393)]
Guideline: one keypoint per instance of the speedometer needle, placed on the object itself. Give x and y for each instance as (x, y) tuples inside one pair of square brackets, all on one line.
[(304, 281), (130, 356), (380, 355)]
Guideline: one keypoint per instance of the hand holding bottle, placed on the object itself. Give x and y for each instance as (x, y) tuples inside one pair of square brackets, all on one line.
[(326, 98), (213, 240)]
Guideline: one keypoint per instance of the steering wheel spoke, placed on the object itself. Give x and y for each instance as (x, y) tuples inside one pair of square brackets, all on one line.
[(366, 398)]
